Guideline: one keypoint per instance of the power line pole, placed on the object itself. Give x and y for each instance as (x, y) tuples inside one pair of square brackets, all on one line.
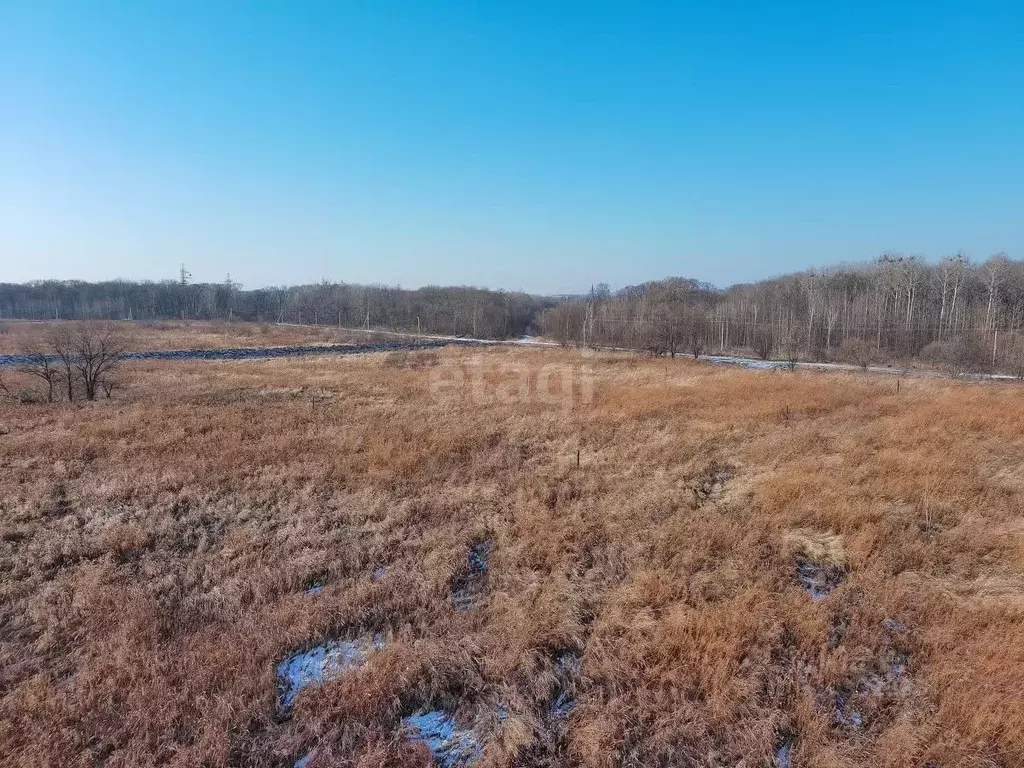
[(183, 276)]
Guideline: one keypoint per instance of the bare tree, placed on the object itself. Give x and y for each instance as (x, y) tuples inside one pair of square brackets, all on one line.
[(790, 345), (993, 271), (857, 351), (1015, 357), (949, 278), (78, 357), (832, 312), (62, 342), (698, 331), (99, 350), (764, 341), (669, 306), (43, 366), (958, 356), (108, 386), (810, 283)]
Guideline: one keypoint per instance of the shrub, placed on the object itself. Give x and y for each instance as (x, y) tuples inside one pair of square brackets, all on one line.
[(958, 356), (858, 352), (764, 343), (1015, 357)]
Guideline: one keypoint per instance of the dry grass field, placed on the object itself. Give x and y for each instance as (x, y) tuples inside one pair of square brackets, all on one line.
[(17, 335), (678, 565)]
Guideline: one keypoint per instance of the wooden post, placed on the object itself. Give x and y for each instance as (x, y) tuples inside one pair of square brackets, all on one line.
[(577, 458)]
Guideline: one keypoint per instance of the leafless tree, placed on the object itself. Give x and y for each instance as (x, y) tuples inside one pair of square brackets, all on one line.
[(108, 386), (993, 271), (667, 314), (62, 342), (698, 331), (790, 346), (764, 341), (831, 313), (858, 352), (44, 366), (958, 356), (1015, 357), (81, 357), (99, 350)]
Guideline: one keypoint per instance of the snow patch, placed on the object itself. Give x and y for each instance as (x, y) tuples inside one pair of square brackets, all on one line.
[(746, 362), (318, 664), (451, 746)]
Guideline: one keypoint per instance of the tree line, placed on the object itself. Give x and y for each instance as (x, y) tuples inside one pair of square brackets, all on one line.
[(459, 311), (964, 314), (956, 312)]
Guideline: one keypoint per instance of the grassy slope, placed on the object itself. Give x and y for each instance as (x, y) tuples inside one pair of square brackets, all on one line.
[(154, 550)]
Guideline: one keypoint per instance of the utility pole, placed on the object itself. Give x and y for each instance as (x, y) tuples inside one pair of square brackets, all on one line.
[(183, 276)]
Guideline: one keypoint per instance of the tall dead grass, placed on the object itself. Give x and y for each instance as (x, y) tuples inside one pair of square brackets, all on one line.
[(155, 551)]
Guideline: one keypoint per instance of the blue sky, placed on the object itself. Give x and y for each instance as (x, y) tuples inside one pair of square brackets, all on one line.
[(542, 146)]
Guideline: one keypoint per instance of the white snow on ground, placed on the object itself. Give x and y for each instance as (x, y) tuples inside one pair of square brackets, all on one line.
[(318, 664), (746, 362), (450, 744)]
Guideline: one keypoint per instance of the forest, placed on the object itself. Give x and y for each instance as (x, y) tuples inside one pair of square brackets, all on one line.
[(462, 311), (958, 313)]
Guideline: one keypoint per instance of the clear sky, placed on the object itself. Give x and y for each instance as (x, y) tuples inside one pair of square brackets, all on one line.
[(528, 145)]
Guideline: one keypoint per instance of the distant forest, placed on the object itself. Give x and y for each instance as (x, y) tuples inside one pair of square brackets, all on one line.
[(443, 310), (956, 313), (962, 314)]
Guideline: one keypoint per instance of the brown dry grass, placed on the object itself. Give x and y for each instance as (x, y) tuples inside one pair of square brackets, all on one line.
[(154, 551), (176, 334)]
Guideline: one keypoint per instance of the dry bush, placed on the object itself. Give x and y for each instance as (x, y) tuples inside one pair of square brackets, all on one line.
[(156, 559), (765, 342), (1015, 357), (858, 352), (959, 356)]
